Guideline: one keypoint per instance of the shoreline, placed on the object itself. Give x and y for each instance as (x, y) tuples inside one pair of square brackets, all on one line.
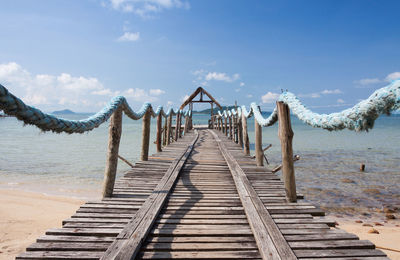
[(26, 215)]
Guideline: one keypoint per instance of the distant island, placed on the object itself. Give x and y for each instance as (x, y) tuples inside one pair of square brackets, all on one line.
[(63, 112), (215, 110)]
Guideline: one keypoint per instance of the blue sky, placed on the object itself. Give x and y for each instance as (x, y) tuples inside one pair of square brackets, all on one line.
[(78, 54)]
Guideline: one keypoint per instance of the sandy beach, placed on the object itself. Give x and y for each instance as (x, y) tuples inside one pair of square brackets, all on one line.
[(388, 237), (24, 216)]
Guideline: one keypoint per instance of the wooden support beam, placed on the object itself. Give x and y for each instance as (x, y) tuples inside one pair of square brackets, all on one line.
[(186, 125), (230, 128), (286, 137), (165, 131), (258, 143), (169, 128), (180, 125), (144, 155), (246, 141), (114, 137), (177, 126), (240, 131), (226, 126), (159, 133), (235, 129), (212, 115)]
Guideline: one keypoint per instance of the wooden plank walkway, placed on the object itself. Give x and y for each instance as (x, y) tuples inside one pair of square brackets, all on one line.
[(220, 205)]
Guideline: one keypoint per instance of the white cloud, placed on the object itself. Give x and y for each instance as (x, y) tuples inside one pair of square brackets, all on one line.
[(340, 101), (237, 90), (328, 92), (170, 103), (269, 97), (241, 84), (147, 8), (318, 94), (310, 95), (249, 95), (221, 77), (393, 76), (103, 92), (156, 92), (139, 94), (52, 92), (129, 37), (367, 81)]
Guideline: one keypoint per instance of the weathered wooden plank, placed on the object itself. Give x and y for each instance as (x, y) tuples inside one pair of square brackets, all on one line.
[(130, 239), (270, 241)]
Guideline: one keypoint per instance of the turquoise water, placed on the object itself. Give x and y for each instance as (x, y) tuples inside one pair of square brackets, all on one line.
[(327, 174)]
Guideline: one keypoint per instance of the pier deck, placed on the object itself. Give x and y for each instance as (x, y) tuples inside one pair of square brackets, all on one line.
[(199, 198)]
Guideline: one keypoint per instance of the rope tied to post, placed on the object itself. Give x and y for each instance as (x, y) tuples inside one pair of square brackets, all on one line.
[(360, 117), (12, 105)]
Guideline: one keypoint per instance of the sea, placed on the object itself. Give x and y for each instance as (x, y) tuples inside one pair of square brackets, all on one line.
[(327, 173)]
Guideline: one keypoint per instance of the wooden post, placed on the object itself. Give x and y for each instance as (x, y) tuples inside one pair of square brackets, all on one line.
[(180, 125), (165, 136), (186, 125), (226, 126), (159, 134), (145, 136), (240, 132), (212, 115), (169, 128), (114, 136), (258, 143), (235, 129), (177, 126), (286, 136), (246, 141), (230, 127)]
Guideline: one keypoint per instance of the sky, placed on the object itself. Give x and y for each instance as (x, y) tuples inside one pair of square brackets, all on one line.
[(78, 54)]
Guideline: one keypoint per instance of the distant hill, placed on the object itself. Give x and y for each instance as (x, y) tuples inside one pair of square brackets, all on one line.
[(63, 112)]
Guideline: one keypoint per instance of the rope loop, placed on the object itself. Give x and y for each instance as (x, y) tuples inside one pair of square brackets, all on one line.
[(12, 105)]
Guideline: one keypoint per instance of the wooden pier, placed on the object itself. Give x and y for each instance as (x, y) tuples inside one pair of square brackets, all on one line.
[(201, 197)]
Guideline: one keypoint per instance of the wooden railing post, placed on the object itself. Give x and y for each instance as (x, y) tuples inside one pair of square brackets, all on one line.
[(177, 126), (159, 134), (185, 129), (230, 128), (258, 143), (235, 129), (169, 128), (180, 125), (114, 136), (165, 131), (145, 136), (286, 136), (226, 126), (240, 132), (246, 141)]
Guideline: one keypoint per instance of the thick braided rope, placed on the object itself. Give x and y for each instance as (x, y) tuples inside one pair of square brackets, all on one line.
[(12, 105), (360, 117)]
